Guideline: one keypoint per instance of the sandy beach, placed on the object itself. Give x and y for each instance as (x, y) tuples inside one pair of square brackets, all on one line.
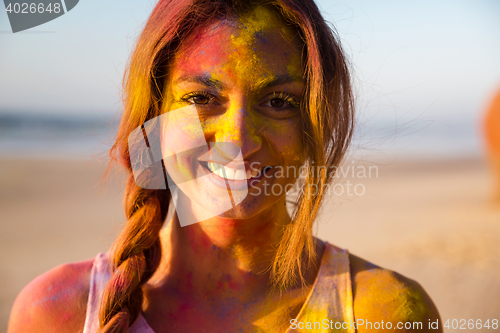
[(432, 221)]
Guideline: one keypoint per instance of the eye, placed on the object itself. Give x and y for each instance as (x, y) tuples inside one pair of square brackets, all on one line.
[(281, 101), (277, 103), (198, 97)]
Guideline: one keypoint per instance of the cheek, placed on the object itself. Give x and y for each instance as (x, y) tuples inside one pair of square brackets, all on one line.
[(179, 169), (286, 139)]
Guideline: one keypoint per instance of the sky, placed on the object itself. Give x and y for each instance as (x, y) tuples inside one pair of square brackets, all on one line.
[(437, 60)]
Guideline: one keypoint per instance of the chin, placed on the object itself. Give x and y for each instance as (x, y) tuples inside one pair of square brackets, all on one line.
[(253, 206)]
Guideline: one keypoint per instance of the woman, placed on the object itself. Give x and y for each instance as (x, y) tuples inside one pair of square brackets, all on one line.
[(270, 86)]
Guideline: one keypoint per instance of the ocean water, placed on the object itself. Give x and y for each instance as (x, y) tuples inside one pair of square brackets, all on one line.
[(451, 137), (24, 135)]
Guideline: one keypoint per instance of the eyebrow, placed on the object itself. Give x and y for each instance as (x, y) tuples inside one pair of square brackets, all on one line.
[(203, 79), (270, 81), (276, 80)]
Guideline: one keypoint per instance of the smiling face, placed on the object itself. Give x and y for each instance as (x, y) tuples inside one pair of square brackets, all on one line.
[(245, 78)]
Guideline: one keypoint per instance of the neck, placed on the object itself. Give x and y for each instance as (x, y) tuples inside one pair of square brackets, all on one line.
[(222, 256)]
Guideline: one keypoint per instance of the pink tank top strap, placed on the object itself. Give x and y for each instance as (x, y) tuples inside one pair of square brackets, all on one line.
[(329, 307), (99, 277)]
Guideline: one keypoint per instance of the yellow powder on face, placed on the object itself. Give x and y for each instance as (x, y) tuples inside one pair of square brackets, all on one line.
[(249, 61), (295, 63), (249, 43), (243, 52)]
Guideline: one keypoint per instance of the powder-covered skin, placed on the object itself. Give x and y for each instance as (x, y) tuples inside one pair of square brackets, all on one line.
[(236, 68), (246, 79)]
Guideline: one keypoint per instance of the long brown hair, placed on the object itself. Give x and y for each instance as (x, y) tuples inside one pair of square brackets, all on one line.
[(326, 118)]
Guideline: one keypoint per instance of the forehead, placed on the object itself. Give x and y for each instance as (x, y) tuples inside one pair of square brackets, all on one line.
[(249, 46)]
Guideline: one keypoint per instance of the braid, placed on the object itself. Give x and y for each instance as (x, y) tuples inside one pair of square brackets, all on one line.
[(135, 255)]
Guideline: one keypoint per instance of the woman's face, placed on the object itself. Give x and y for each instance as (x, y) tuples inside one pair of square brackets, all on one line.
[(244, 79)]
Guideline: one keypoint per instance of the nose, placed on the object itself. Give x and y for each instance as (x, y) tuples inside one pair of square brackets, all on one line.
[(238, 126)]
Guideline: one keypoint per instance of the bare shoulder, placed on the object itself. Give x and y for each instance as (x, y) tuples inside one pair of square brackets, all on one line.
[(381, 294), (55, 301)]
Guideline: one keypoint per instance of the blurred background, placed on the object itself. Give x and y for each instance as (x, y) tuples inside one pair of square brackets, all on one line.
[(425, 75)]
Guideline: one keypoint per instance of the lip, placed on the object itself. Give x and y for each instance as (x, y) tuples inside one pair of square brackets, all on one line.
[(234, 185)]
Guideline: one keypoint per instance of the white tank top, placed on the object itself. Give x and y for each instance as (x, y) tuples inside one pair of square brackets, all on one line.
[(330, 298)]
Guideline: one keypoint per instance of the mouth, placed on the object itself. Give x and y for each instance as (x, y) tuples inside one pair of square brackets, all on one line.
[(235, 174)]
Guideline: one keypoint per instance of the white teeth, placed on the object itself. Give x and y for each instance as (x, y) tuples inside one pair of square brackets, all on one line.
[(219, 172), (240, 175), (230, 173), (213, 166)]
